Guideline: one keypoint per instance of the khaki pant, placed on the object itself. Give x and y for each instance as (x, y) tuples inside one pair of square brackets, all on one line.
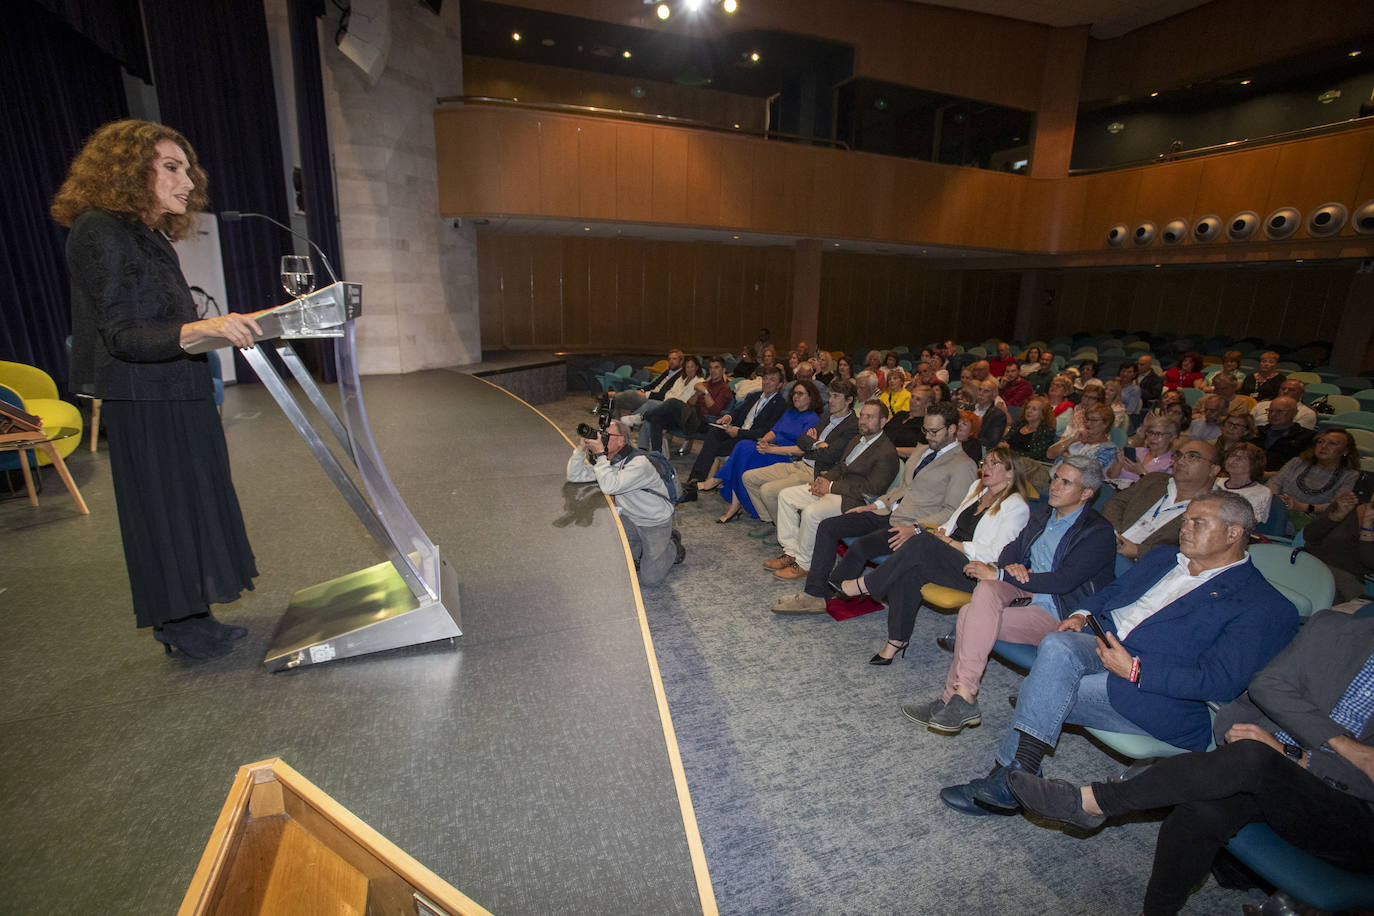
[(764, 484)]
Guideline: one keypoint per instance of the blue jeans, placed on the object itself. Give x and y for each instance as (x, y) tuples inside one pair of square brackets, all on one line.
[(1066, 685)]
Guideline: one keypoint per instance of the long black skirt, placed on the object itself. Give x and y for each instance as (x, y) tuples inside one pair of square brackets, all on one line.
[(184, 541)]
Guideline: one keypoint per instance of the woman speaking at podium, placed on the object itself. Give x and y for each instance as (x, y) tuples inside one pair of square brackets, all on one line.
[(134, 186)]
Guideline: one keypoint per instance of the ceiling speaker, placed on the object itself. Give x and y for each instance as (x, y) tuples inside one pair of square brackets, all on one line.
[(1116, 236), (1207, 229), (1328, 219), (1364, 218), (1144, 234), (1282, 223), (1175, 231), (1242, 226)]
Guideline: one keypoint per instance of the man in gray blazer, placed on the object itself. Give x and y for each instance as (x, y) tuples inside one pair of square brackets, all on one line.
[(937, 478)]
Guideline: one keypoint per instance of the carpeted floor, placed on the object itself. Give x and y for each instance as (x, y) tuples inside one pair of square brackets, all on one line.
[(814, 794)]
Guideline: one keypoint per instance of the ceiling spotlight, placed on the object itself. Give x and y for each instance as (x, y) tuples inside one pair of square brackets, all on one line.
[(754, 57), (663, 12), (514, 36), (693, 5), (733, 236), (1155, 94), (586, 228), (1351, 54), (1245, 82), (730, 6), (625, 54)]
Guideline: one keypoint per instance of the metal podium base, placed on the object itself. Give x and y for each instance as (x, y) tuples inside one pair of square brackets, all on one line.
[(370, 610)]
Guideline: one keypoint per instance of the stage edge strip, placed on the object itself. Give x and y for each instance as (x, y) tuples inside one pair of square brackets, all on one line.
[(684, 796)]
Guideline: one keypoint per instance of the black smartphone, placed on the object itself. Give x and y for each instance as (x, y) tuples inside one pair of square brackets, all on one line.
[(1364, 486), (1097, 629), (1022, 601)]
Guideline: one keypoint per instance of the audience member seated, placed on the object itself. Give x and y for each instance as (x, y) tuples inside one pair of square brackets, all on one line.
[(1014, 390), (1152, 451), (1093, 440), (1121, 417), (991, 412), (806, 372), (1311, 481), (679, 400), (817, 450), (1151, 511), (1087, 372), (1281, 438), (980, 370), (868, 466), (825, 371), (1236, 427), (1186, 374), (1183, 628), (1034, 434), (1263, 384), (1173, 406), (1342, 537), (908, 430), (1295, 752), (1292, 388), (942, 393), (1075, 420), (1030, 362), (966, 434), (1151, 383), (1227, 388), (1063, 555), (1041, 376), (1242, 466), (769, 357), (798, 418), (938, 369), (991, 514), (750, 420), (1060, 389), (997, 366), (1230, 367), (1130, 390), (712, 396), (873, 362), (895, 397), (656, 390), (747, 364), (936, 478), (803, 349), (1208, 413), (844, 369)]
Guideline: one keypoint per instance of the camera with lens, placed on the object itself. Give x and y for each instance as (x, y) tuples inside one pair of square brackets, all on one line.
[(603, 419)]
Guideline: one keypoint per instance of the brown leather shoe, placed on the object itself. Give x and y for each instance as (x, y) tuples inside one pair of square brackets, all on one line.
[(790, 572), (781, 562)]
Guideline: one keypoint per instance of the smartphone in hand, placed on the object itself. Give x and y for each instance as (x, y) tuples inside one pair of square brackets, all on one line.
[(1100, 633)]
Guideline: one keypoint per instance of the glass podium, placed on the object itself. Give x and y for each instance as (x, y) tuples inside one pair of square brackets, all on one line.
[(412, 596)]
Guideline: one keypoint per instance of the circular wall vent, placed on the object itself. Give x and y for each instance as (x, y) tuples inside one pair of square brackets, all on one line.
[(1242, 226), (1328, 219), (1282, 223), (1364, 218), (1144, 234), (1116, 236), (1207, 229), (1175, 231)]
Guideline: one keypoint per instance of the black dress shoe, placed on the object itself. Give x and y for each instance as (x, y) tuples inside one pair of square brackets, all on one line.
[(192, 638), (946, 642), (1052, 798)]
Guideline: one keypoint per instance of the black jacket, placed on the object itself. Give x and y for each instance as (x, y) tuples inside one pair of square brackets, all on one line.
[(129, 301), (771, 414), (1295, 440)]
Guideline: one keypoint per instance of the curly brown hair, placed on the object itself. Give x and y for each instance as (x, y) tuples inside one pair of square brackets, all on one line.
[(114, 171)]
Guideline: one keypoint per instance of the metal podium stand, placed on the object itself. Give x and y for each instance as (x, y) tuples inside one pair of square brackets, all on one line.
[(410, 598)]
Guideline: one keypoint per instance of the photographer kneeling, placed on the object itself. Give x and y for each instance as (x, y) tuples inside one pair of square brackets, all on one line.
[(642, 496)]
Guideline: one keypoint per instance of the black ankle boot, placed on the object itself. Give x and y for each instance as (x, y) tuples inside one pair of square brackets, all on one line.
[(193, 637)]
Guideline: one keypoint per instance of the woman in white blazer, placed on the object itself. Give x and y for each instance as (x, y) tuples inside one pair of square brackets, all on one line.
[(991, 515)]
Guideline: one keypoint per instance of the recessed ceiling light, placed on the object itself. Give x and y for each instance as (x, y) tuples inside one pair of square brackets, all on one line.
[(754, 57), (734, 237), (1245, 82), (548, 42), (1155, 94), (1355, 53), (514, 36), (729, 6), (663, 12), (625, 54), (586, 228)]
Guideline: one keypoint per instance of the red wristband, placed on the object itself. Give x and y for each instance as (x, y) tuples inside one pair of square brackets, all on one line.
[(1135, 670)]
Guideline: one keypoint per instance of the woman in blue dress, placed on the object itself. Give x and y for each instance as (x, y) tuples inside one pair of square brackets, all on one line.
[(799, 418)]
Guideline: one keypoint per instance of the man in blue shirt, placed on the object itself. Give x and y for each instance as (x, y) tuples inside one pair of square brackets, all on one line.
[(1065, 553)]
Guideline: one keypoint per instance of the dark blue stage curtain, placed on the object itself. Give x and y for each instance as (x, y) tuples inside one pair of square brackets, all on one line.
[(58, 89), (213, 76), (321, 211)]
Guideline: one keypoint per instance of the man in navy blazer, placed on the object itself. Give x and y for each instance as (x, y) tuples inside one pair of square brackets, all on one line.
[(1183, 628), (750, 420)]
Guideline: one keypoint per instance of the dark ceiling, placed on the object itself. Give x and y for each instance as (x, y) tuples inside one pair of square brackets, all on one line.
[(716, 61)]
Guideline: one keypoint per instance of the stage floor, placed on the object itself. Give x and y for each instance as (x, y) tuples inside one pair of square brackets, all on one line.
[(528, 765)]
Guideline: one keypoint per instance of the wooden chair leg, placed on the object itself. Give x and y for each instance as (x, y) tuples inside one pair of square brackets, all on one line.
[(95, 422), (24, 454), (66, 476)]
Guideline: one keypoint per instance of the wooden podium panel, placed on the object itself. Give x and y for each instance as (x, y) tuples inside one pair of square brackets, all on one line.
[(281, 845)]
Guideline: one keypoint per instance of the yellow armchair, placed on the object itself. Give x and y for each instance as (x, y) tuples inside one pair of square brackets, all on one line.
[(40, 397)]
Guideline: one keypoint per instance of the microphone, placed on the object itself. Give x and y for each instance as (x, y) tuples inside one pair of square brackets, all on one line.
[(233, 216)]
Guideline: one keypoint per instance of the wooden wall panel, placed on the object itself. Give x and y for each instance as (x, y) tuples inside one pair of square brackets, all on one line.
[(1167, 191), (632, 271), (546, 290), (736, 182), (516, 293), (670, 176), (1108, 198), (1233, 183), (634, 172), (577, 286), (596, 162), (707, 318), (1323, 170), (520, 153), (603, 292), (559, 170), (769, 191), (703, 179), (681, 293), (490, 307), (464, 141)]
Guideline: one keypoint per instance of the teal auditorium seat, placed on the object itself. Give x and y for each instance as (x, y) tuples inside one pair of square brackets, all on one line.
[(1301, 577), (1298, 874)]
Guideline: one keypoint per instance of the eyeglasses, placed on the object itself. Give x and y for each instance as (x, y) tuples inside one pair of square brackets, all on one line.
[(933, 429), (1190, 456)]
